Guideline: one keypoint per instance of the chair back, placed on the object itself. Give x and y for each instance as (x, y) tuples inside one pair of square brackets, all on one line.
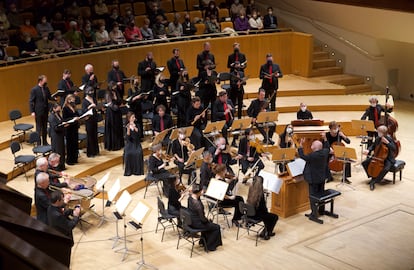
[(34, 138), (161, 207), (224, 76), (14, 115), (247, 210), (185, 217), (15, 147)]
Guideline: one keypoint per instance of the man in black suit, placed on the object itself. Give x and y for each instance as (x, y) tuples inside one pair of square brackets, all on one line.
[(315, 172), (58, 216), (175, 66), (39, 106), (384, 140), (270, 74), (223, 109), (203, 57), (269, 20), (66, 84), (303, 112), (42, 196), (221, 155), (160, 122), (90, 79), (146, 70), (205, 170), (118, 76), (236, 56)]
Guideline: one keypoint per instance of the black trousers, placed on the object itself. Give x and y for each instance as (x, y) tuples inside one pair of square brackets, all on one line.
[(385, 170), (41, 127)]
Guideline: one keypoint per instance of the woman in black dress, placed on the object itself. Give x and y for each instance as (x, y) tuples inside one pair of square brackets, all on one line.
[(256, 198), (91, 124), (114, 132), (69, 112), (57, 134), (133, 155), (157, 166), (175, 195), (211, 231)]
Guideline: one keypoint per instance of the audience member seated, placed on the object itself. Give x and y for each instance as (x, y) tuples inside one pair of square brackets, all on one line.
[(102, 36), (4, 37), (28, 28), (241, 23), (116, 18), (73, 11), (101, 10), (45, 45), (27, 46), (159, 29), (60, 44), (269, 20), (58, 23), (132, 33), (3, 19), (189, 28), (73, 36), (116, 35), (250, 8), (155, 11), (146, 31), (304, 113), (3, 54), (14, 17), (129, 16), (175, 29), (212, 25), (210, 10), (44, 27), (236, 8), (255, 21), (88, 36)]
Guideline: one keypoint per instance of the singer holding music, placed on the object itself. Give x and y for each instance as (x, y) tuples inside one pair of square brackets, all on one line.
[(208, 89), (91, 123), (181, 98), (118, 76), (114, 132), (69, 112), (196, 116), (57, 133), (146, 70), (223, 109), (270, 74)]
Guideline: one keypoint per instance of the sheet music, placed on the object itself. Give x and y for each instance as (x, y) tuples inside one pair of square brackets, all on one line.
[(296, 167), (87, 113), (58, 92), (102, 181), (123, 202), (217, 189), (141, 212), (271, 182), (82, 87), (116, 187)]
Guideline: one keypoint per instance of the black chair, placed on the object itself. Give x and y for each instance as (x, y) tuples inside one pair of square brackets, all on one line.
[(20, 128), (20, 161), (39, 149), (82, 137), (164, 217), (188, 233), (150, 180), (223, 77), (215, 209), (250, 224)]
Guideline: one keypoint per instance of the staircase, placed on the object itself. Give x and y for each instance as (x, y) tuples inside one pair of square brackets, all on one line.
[(325, 69)]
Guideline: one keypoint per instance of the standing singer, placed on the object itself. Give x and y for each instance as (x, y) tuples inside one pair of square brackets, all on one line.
[(270, 74)]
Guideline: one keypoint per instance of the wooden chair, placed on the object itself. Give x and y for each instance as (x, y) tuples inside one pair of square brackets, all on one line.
[(170, 16), (223, 25), (85, 12), (123, 8), (180, 5), (193, 4), (13, 51), (201, 28), (139, 20), (167, 6), (140, 8), (223, 14), (195, 14)]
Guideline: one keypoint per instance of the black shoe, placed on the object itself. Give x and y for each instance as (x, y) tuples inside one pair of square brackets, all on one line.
[(372, 185), (236, 223), (347, 181), (272, 234), (330, 179)]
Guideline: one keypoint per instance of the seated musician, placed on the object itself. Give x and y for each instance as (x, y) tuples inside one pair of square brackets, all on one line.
[(161, 122), (59, 218), (248, 154), (230, 199), (335, 136), (260, 105), (175, 195), (221, 153), (303, 112), (382, 144), (205, 170), (286, 141), (223, 109), (256, 198), (196, 116), (373, 113), (157, 166), (42, 196), (181, 149), (211, 231), (42, 165)]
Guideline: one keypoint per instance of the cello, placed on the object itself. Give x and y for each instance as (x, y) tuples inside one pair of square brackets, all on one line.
[(377, 160), (334, 163)]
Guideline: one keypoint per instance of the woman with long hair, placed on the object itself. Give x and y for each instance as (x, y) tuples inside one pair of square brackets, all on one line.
[(133, 155), (114, 135), (256, 198), (91, 124), (69, 112)]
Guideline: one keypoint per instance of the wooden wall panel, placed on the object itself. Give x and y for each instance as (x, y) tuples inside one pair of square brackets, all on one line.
[(290, 50)]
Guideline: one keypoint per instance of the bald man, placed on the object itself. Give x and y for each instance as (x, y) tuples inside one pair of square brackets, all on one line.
[(315, 172)]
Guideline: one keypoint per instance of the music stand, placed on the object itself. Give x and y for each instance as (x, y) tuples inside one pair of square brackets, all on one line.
[(216, 191), (363, 127), (193, 157), (188, 131), (214, 128), (100, 187), (271, 182), (140, 214), (266, 118), (116, 187), (346, 155), (121, 206), (240, 124), (282, 155), (160, 137)]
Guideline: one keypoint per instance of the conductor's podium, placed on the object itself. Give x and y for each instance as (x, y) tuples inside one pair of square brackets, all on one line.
[(293, 197)]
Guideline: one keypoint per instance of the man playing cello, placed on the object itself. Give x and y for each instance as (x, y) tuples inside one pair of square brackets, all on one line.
[(383, 159)]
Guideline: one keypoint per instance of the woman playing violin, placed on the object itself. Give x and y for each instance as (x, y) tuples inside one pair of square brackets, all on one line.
[(248, 153), (384, 156)]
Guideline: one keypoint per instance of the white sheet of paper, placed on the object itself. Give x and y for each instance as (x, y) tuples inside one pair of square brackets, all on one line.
[(102, 181), (271, 181), (87, 113), (82, 87), (140, 212), (296, 167), (123, 202), (116, 187), (217, 189)]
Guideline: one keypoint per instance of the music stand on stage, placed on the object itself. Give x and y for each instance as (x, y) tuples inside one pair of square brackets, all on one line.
[(188, 132), (266, 118), (214, 128), (282, 155), (346, 155), (271, 182), (160, 137), (215, 193), (139, 215), (240, 124), (363, 127), (121, 206), (116, 187), (193, 157), (100, 187)]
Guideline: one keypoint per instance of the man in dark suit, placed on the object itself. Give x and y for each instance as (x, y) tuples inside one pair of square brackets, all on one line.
[(386, 141), (66, 84), (203, 57), (146, 70), (236, 56), (205, 170), (223, 109), (270, 74), (90, 79), (269, 20), (160, 122), (175, 66), (42, 196), (118, 76), (315, 172), (39, 106)]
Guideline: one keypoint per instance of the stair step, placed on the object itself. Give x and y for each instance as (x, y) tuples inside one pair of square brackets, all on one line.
[(321, 63), (358, 88), (320, 55), (317, 48), (348, 80), (326, 71)]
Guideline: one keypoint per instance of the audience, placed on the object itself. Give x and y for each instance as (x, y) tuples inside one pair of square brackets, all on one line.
[(102, 36), (116, 35), (146, 31), (14, 17), (27, 46), (175, 29), (212, 26), (74, 37), (255, 21), (269, 20), (88, 36), (241, 23), (189, 28), (28, 28), (3, 19), (59, 43), (45, 45), (132, 33), (236, 8), (44, 27), (211, 9)]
